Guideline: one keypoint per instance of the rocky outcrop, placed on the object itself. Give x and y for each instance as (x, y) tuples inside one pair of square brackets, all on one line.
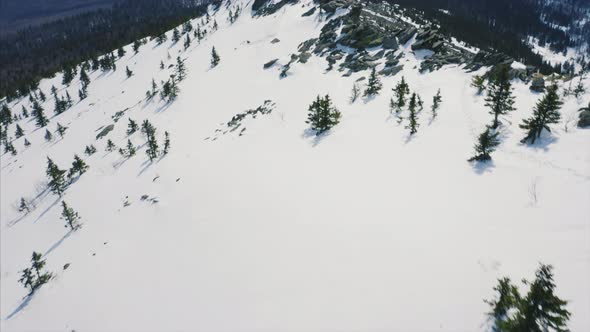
[(267, 7), (270, 63), (584, 117), (538, 84)]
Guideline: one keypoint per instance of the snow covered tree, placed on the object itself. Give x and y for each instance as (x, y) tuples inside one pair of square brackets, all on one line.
[(161, 39), (436, 100), (68, 76), (57, 182), (373, 85), (82, 93), (131, 127), (120, 52), (70, 216), (486, 144), (48, 135), (5, 115), (546, 112), (413, 125), (9, 148), (23, 206), (175, 35), (166, 143), (19, 131), (356, 91), (187, 42), (110, 146), (90, 150), (187, 27), (128, 72), (84, 79), (478, 82), (579, 89), (130, 149), (25, 113), (215, 26), (400, 91), (180, 69), (78, 166), (322, 115), (61, 130), (214, 57), (40, 118), (500, 99), (42, 96)]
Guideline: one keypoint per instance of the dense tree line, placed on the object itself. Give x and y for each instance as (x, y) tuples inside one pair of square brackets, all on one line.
[(39, 52)]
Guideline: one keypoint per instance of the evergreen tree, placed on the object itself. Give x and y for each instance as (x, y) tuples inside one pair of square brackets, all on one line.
[(130, 149), (486, 144), (161, 39), (27, 143), (68, 76), (48, 135), (166, 143), (214, 57), (28, 279), (25, 113), (436, 100), (215, 26), (110, 146), (500, 99), (5, 115), (150, 131), (400, 91), (546, 112), (23, 206), (70, 216), (356, 91), (187, 42), (84, 79), (175, 35), (78, 166), (61, 130), (128, 72), (19, 131), (69, 99), (9, 148), (180, 69), (131, 127), (136, 46), (322, 115), (82, 94), (507, 300), (478, 83), (413, 125), (42, 96), (161, 64), (57, 182), (579, 89), (90, 150), (120, 52), (374, 84)]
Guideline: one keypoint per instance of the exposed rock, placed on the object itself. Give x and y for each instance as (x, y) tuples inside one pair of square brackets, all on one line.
[(270, 63), (66, 266), (267, 7), (303, 57), (105, 131), (538, 84), (390, 42), (406, 35), (274, 41), (584, 117), (360, 79), (390, 71), (309, 12)]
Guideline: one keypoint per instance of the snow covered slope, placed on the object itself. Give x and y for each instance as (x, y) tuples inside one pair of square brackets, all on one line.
[(364, 228)]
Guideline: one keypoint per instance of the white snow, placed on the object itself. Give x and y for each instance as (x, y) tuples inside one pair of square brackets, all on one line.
[(279, 230)]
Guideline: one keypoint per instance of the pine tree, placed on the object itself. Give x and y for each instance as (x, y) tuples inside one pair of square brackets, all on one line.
[(130, 149), (40, 118), (579, 89), (214, 57), (19, 131), (61, 130), (28, 279), (487, 143), (436, 100), (5, 115), (42, 96), (131, 127), (413, 125), (478, 82), (25, 113), (84, 79), (374, 84), (175, 35), (82, 94), (166, 143), (48, 135), (23, 206), (322, 115), (356, 91), (120, 52), (187, 41), (215, 26), (110, 146), (161, 64), (400, 92), (136, 46), (161, 39), (57, 182), (541, 309), (546, 112), (68, 76), (78, 166), (70, 216), (9, 148), (507, 300), (69, 99), (180, 69), (27, 143), (128, 72), (90, 150), (150, 131), (500, 99)]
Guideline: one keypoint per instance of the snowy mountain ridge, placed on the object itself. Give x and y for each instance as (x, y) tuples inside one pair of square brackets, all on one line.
[(251, 222)]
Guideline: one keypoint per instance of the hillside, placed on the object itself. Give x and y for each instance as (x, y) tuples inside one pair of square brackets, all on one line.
[(268, 227)]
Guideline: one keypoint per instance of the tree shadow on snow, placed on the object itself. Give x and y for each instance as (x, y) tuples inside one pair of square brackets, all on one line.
[(58, 243), (47, 209), (21, 306), (144, 167), (481, 167), (542, 143), (310, 134)]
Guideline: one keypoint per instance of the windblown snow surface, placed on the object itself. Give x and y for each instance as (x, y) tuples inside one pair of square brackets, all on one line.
[(361, 229)]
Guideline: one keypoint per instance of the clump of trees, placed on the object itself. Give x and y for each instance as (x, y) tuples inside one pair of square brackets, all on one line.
[(214, 57), (322, 115), (34, 277), (540, 310)]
